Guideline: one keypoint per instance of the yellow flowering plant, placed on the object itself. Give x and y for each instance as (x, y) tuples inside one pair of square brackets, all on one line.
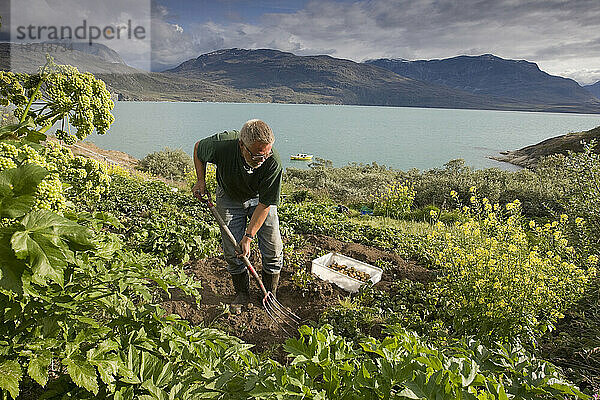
[(393, 200), (505, 278)]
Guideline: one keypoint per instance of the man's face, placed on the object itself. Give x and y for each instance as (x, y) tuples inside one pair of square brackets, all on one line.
[(256, 153)]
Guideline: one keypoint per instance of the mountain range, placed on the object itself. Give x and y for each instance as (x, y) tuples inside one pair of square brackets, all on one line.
[(265, 75), (487, 74), (594, 89)]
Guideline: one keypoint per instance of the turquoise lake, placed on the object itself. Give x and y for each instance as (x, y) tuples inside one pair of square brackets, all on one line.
[(401, 138)]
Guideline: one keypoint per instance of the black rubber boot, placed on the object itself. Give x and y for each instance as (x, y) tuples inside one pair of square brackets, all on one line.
[(271, 281), (241, 283)]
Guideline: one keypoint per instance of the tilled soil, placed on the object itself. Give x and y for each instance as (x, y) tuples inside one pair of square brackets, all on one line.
[(253, 325)]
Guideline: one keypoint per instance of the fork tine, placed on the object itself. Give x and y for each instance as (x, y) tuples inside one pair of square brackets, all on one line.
[(281, 318), (271, 314), (284, 310), (279, 314)]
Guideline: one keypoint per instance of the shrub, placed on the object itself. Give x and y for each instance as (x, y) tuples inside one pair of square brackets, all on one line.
[(541, 191), (168, 163), (504, 281), (583, 199), (393, 200)]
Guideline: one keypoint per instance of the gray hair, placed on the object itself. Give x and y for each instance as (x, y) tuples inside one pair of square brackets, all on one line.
[(256, 130)]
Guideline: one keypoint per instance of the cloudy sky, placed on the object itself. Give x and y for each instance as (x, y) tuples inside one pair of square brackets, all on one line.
[(561, 36)]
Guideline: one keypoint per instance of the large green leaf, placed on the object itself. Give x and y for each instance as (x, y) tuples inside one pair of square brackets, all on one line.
[(82, 373), (10, 376), (17, 188), (11, 268), (48, 221), (47, 260), (45, 239), (24, 179), (18, 129), (108, 367), (150, 366), (108, 363), (38, 367)]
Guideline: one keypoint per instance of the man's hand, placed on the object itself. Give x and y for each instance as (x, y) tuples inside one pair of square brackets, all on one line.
[(200, 192), (245, 247)]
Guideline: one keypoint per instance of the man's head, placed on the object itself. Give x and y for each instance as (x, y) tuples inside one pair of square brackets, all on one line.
[(256, 142)]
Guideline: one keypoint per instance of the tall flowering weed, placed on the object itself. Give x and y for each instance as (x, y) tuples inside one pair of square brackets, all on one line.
[(393, 200), (506, 279)]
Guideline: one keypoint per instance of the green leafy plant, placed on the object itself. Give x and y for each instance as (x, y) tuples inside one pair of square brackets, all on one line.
[(394, 200), (78, 99), (75, 296), (504, 282), (168, 163), (402, 366)]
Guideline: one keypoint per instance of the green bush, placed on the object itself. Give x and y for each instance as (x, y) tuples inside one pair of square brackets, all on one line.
[(393, 200), (506, 280), (168, 163), (583, 199), (541, 192)]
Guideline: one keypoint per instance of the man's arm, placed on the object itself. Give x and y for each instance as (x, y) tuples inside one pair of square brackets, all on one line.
[(258, 218), (199, 188)]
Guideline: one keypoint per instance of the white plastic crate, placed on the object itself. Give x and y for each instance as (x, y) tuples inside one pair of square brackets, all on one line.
[(320, 267)]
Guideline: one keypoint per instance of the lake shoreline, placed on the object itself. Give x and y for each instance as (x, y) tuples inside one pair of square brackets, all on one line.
[(529, 156), (400, 138)]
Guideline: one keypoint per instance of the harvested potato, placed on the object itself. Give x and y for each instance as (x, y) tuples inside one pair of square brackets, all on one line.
[(350, 271)]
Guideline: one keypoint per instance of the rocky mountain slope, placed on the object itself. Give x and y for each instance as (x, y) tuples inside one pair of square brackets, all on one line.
[(529, 156), (594, 89), (517, 80), (271, 76)]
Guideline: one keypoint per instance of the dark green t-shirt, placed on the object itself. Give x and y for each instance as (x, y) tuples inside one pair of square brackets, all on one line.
[(223, 150)]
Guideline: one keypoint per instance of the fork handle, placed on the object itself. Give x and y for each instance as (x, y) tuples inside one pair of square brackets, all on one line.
[(224, 228)]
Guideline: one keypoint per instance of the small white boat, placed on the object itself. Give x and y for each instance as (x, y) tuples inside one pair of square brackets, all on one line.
[(302, 157)]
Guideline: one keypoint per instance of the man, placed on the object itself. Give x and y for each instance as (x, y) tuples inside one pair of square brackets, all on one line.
[(249, 176)]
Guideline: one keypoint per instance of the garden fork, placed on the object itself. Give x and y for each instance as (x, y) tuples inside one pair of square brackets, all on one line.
[(277, 311)]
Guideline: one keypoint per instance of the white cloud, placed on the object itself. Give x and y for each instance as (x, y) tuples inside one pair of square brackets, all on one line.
[(43, 15), (562, 37), (556, 34)]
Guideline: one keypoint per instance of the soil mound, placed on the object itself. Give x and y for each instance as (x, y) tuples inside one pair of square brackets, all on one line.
[(253, 325)]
